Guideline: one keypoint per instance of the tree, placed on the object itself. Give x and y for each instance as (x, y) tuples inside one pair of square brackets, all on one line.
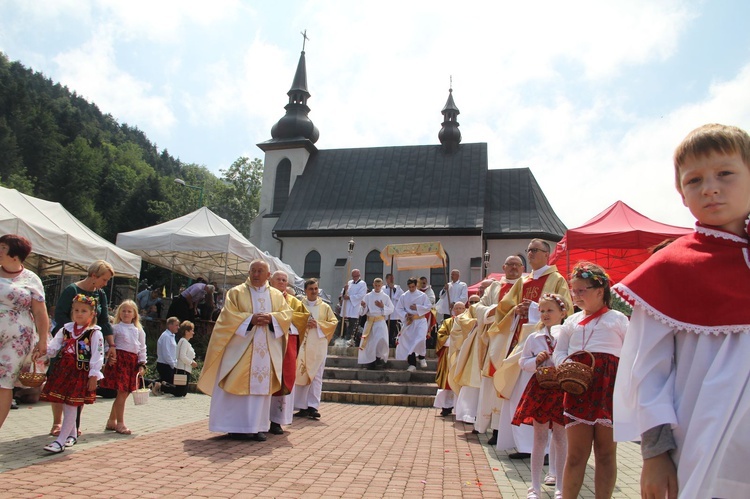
[(239, 200)]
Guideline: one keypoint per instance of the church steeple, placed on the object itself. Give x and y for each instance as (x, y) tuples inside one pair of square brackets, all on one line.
[(296, 124), (450, 135)]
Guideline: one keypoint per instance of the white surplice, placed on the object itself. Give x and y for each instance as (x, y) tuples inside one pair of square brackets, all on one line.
[(412, 338), (377, 341)]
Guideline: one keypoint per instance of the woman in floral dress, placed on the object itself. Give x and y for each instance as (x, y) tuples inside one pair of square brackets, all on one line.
[(22, 314)]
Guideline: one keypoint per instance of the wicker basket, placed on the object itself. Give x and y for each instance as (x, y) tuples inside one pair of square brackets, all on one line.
[(546, 376), (32, 379), (575, 377), (140, 395)]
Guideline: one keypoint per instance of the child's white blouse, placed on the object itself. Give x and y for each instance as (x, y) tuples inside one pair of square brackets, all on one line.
[(536, 343), (129, 338), (605, 334)]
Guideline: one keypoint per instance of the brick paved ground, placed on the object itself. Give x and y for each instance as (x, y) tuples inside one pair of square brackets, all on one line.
[(353, 451)]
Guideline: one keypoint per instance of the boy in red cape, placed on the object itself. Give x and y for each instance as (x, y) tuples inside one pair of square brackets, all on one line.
[(682, 383)]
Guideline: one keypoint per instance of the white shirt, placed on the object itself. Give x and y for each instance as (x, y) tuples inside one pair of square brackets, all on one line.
[(185, 355), (605, 334), (535, 343), (166, 349)]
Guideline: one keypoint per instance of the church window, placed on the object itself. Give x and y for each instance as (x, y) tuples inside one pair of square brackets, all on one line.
[(312, 265), (281, 186), (373, 267)]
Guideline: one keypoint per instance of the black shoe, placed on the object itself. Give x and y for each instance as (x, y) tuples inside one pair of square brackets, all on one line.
[(446, 412), (303, 413), (519, 455), (258, 437), (13, 404), (276, 429), (475, 432), (493, 440), (372, 366), (312, 413), (546, 459)]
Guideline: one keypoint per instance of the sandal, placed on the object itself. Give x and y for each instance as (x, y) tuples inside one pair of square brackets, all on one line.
[(55, 431), (550, 479), (110, 427), (70, 441), (123, 430), (54, 447), (558, 494), (533, 494)]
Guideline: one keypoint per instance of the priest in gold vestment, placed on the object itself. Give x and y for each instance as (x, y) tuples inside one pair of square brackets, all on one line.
[(244, 357)]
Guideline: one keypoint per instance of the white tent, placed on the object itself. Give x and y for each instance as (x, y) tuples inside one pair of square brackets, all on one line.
[(60, 242), (200, 244)]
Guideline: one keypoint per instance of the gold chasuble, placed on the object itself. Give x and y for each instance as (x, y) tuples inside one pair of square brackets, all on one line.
[(238, 308), (468, 368), (314, 348), (507, 334), (299, 316), (443, 335)]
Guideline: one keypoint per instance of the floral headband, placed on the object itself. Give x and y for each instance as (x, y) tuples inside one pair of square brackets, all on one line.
[(88, 300), (587, 273), (555, 298)]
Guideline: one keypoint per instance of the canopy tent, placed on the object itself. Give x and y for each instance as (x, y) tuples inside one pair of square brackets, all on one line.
[(200, 244), (411, 256), (60, 242), (617, 239), (474, 288)]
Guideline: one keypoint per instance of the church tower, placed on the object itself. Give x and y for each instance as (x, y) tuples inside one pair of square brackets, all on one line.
[(286, 154), (450, 135)]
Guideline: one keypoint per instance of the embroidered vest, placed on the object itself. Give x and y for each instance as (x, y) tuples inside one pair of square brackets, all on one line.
[(82, 347)]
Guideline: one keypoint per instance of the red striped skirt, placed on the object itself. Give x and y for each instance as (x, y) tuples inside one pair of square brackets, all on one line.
[(594, 406), (122, 374), (67, 384)]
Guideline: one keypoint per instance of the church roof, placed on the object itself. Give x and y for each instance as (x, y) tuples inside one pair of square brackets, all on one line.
[(413, 190), (516, 207), (394, 190)]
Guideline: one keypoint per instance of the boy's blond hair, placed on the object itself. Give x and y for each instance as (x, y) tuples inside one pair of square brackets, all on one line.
[(711, 138)]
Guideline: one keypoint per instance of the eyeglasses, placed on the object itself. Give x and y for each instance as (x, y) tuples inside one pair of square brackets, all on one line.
[(580, 291), (535, 250)]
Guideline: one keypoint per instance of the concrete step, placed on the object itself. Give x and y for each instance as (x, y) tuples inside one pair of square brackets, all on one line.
[(379, 387), (380, 375), (378, 399), (345, 351), (351, 362)]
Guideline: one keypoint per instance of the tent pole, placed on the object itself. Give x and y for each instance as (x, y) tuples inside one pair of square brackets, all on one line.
[(62, 279)]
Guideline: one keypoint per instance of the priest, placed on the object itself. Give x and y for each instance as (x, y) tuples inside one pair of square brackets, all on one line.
[(244, 358)]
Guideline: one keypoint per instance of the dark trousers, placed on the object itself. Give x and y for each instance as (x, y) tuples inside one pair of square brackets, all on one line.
[(166, 372), (394, 327), (412, 359), (180, 391), (352, 326)]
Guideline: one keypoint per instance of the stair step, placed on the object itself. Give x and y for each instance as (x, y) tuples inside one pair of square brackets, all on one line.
[(351, 362), (379, 387), (380, 375), (378, 399), (345, 351)]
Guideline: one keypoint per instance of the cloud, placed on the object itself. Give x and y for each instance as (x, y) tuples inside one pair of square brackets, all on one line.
[(91, 70)]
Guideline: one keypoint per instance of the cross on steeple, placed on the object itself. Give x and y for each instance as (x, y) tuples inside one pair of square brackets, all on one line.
[(304, 39), (451, 86)]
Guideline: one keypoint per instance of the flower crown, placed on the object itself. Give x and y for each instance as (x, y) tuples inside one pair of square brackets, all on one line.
[(88, 300), (555, 298), (585, 272)]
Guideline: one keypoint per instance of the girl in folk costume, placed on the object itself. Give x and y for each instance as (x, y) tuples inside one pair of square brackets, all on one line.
[(73, 382), (130, 341), (588, 417), (543, 407)]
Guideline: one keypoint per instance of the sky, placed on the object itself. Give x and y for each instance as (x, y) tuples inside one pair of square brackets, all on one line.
[(592, 96)]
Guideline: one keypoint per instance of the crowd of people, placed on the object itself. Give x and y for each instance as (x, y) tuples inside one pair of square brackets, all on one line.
[(531, 356)]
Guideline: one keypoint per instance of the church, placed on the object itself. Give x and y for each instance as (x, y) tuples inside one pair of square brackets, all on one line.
[(391, 194)]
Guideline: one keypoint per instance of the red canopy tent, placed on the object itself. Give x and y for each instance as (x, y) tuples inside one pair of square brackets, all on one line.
[(617, 239)]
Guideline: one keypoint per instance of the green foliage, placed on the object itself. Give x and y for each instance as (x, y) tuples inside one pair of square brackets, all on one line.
[(57, 146)]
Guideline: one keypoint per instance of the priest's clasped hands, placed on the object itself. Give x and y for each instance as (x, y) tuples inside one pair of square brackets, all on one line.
[(260, 319)]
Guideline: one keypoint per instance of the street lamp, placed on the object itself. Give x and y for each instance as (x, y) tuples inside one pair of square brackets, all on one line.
[(486, 263), (199, 188)]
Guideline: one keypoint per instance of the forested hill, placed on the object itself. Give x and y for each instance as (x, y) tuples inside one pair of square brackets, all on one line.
[(55, 145)]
